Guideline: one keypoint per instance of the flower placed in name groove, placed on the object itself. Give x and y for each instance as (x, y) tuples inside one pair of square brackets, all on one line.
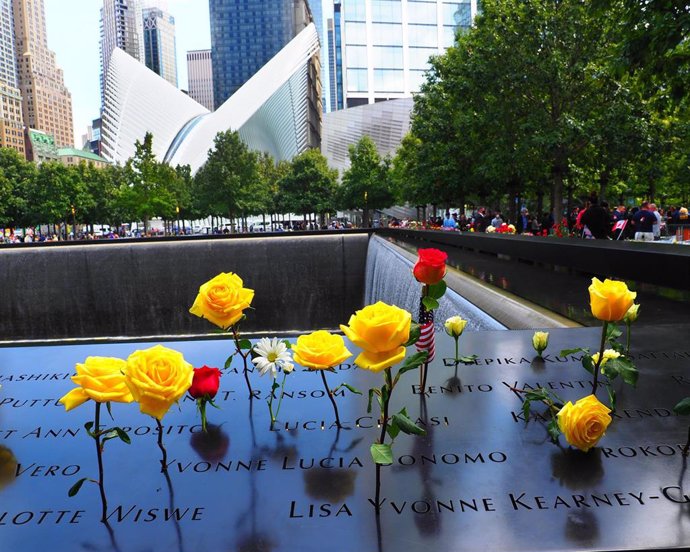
[(381, 330), (610, 300), (584, 423), (431, 266), (157, 378), (320, 350), (272, 355), (205, 384), (222, 300), (454, 326), (540, 341), (609, 354), (100, 379), (632, 314)]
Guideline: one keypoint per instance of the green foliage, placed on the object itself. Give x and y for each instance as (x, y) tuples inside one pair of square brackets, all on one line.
[(309, 185), (683, 407), (366, 184), (382, 454)]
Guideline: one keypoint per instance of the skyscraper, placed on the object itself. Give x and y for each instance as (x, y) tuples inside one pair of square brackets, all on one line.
[(386, 44), (200, 77), (160, 53), (121, 27), (11, 122), (245, 34), (335, 59), (46, 102)]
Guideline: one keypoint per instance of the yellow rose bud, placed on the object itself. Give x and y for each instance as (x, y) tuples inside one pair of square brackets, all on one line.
[(540, 341), (222, 300), (8, 467), (157, 378), (381, 330), (632, 314), (454, 326), (584, 422), (100, 379), (610, 299), (320, 350), (608, 355)]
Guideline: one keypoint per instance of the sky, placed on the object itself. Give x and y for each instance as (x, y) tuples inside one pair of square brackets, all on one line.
[(74, 35)]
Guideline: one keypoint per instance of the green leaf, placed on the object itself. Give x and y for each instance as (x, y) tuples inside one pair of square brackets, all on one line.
[(568, 352), (88, 426), (245, 344), (588, 364), (287, 344), (430, 303), (413, 361), (683, 407), (624, 367), (371, 395), (468, 359), (122, 434), (74, 489), (406, 425), (228, 362), (437, 290), (351, 389), (553, 429), (526, 408), (612, 332), (612, 397), (393, 429), (381, 453), (108, 408), (415, 332)]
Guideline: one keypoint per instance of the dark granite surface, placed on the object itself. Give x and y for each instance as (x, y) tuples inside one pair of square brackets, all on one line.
[(480, 479)]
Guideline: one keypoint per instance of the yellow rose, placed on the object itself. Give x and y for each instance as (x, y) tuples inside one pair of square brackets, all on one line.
[(222, 300), (320, 350), (608, 355), (100, 379), (8, 467), (381, 330), (632, 314), (610, 299), (157, 377), (455, 326), (584, 422), (540, 341)]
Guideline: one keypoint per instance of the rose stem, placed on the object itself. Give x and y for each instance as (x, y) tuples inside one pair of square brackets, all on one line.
[(601, 358), (330, 396), (164, 460), (456, 351), (378, 489), (384, 425), (99, 455), (236, 336), (280, 399)]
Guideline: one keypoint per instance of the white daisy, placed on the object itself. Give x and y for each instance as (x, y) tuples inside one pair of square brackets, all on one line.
[(273, 355)]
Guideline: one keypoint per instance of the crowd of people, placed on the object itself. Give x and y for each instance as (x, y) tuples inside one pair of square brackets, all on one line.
[(593, 220)]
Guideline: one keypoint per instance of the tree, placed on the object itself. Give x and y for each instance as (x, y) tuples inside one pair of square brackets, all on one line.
[(226, 182), (309, 186), (366, 184), (148, 191), (17, 178)]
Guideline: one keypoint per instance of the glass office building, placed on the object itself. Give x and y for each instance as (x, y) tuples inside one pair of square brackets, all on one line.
[(386, 44), (245, 35)]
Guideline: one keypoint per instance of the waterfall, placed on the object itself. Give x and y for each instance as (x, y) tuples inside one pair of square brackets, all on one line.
[(389, 279)]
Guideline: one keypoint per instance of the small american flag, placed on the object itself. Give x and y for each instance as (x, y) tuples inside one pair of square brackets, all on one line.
[(426, 339)]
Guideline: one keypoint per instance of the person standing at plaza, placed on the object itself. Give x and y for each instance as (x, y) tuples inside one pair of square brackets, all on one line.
[(643, 223), (656, 227), (596, 220)]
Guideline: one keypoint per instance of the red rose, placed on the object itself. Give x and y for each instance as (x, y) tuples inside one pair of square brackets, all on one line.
[(431, 266), (205, 383)]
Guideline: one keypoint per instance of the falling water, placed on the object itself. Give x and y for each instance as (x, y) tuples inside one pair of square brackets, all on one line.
[(389, 279)]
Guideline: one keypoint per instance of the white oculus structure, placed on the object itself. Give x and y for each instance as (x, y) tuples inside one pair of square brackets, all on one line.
[(273, 111)]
